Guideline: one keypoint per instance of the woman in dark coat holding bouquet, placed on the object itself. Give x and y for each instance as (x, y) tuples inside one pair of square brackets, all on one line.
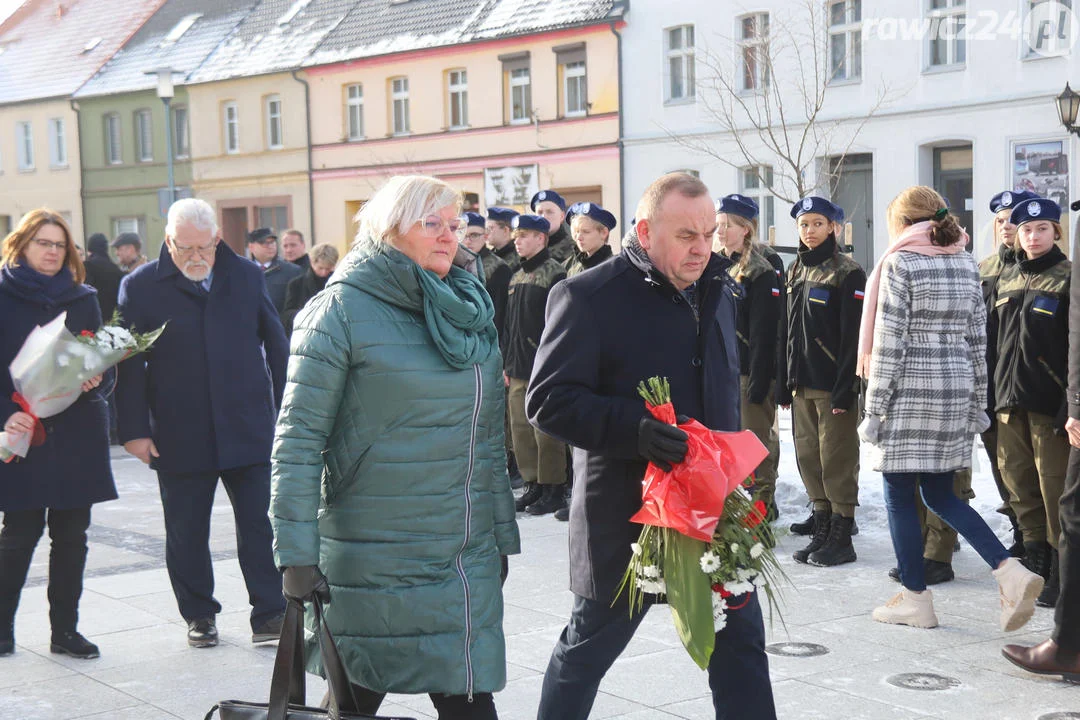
[(41, 276)]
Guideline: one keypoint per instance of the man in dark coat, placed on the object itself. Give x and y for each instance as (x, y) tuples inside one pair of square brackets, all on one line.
[(496, 272), (263, 247), (583, 391), (551, 206), (201, 405), (294, 249), (102, 274)]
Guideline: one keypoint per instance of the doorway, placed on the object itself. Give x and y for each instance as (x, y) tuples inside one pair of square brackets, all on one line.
[(954, 180), (234, 229), (853, 189)]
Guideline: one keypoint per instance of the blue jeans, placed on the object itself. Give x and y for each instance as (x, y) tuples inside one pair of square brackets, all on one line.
[(598, 633), (937, 494)]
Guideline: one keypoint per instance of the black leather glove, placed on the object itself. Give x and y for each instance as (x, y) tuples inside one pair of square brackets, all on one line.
[(303, 582), (661, 444), (504, 571)]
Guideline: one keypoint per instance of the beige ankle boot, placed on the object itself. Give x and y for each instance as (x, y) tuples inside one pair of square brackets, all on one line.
[(1019, 588), (908, 608)]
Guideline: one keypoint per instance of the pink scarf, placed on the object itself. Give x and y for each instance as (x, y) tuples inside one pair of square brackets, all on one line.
[(916, 239)]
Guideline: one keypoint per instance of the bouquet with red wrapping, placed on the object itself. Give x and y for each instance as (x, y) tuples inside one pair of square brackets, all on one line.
[(704, 540)]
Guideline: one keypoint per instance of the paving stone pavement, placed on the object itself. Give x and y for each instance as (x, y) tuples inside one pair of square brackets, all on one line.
[(147, 671)]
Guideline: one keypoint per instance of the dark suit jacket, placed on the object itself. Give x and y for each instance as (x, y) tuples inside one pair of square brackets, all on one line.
[(209, 390), (104, 275)]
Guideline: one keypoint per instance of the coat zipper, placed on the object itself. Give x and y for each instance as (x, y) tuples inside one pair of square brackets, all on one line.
[(1019, 333), (478, 399)]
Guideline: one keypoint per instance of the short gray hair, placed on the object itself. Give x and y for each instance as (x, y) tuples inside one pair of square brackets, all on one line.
[(194, 212), (324, 253), (398, 204)]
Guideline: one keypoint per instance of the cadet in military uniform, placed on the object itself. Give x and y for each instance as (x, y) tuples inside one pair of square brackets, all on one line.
[(590, 226), (825, 293), (496, 272), (758, 317), (541, 458), (551, 206), (1030, 336), (498, 238)]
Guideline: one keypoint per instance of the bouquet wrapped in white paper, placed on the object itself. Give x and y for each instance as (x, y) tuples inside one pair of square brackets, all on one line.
[(51, 367)]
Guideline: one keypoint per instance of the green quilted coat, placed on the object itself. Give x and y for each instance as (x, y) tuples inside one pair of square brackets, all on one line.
[(389, 472)]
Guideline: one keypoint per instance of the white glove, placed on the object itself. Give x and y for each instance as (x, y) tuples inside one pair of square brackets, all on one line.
[(870, 429), (980, 423)]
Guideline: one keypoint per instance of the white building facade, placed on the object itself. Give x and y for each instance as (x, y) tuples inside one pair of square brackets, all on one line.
[(937, 92)]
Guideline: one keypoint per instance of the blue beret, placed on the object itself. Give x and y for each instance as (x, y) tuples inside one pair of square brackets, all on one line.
[(738, 205), (550, 196), (1010, 199), (819, 205), (1037, 209), (500, 214), (594, 211), (531, 222), (474, 219), (840, 215)]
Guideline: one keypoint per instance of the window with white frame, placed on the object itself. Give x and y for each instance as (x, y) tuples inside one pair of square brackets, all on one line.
[(231, 119), (845, 40), (127, 225), (181, 137), (24, 145), (57, 143), (754, 51), (680, 81), (1048, 28), (574, 89), (114, 153), (273, 216), (458, 90), (275, 140), (354, 112), (144, 136), (520, 95), (756, 182), (947, 43), (399, 109)]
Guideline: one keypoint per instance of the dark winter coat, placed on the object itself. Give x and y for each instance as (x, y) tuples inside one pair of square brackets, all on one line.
[(579, 262), (104, 275), (527, 298), (1030, 335), (71, 469), (759, 303), (989, 272), (207, 393), (1074, 337), (593, 354), (825, 299), (497, 276), (278, 277), (561, 244), (299, 291), (508, 254), (303, 262)]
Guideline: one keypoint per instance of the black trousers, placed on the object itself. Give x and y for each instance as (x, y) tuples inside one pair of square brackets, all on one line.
[(188, 500), (67, 560), (449, 707), (1067, 614)]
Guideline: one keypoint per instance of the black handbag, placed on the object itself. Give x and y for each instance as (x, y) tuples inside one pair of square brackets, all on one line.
[(288, 691)]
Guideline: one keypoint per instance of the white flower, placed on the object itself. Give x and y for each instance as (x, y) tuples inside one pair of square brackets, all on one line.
[(653, 587), (739, 588), (755, 552), (760, 581), (709, 562), (117, 337), (636, 549), (744, 574), (62, 360), (745, 492), (734, 547), (650, 571), (719, 622)]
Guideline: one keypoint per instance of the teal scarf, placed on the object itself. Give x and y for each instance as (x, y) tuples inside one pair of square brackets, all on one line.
[(459, 314)]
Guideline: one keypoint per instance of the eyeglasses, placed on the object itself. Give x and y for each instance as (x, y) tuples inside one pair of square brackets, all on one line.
[(203, 251), (49, 245), (432, 225), (473, 233)]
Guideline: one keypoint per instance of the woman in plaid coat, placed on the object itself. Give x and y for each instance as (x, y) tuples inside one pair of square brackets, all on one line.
[(923, 351)]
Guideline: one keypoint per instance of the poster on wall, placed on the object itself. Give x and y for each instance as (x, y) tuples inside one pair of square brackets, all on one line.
[(511, 186), (1042, 166)]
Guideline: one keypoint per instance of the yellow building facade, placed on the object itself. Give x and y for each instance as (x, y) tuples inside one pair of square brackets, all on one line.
[(498, 119)]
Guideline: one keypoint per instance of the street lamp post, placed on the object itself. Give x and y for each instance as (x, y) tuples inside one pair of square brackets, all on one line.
[(166, 92), (1068, 104)]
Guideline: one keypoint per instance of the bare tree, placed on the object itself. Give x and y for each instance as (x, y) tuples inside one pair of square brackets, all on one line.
[(776, 120)]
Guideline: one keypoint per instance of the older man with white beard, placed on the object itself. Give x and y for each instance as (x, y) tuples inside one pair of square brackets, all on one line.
[(201, 406)]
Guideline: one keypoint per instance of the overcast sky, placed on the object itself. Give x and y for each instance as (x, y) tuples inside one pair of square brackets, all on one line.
[(7, 7)]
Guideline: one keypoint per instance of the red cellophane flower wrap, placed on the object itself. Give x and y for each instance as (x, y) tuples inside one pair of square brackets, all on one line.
[(690, 498)]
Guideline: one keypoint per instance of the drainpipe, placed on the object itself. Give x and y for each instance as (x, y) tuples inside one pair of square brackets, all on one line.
[(310, 184), (619, 142), (82, 188)]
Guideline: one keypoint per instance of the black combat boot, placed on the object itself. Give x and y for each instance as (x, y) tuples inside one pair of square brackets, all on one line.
[(1016, 550), (1049, 596), (532, 494), (552, 498), (820, 520), (806, 527), (1037, 558), (838, 548)]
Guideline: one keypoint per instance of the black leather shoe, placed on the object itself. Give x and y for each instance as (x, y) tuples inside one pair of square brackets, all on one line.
[(202, 633), (563, 514), (73, 644), (937, 572), (552, 498), (532, 493), (806, 527), (269, 630), (7, 645)]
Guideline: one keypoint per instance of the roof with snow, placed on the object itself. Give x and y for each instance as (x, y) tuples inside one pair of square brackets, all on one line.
[(48, 48), (179, 36)]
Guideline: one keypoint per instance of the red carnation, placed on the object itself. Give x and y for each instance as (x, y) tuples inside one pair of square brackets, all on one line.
[(754, 518), (87, 333)]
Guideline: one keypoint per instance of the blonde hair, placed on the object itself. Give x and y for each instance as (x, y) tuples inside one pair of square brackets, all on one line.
[(920, 203), (749, 241), (14, 247), (324, 253), (598, 226), (398, 204)]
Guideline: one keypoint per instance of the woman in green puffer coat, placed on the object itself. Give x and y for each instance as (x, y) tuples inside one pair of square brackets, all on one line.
[(389, 469)]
